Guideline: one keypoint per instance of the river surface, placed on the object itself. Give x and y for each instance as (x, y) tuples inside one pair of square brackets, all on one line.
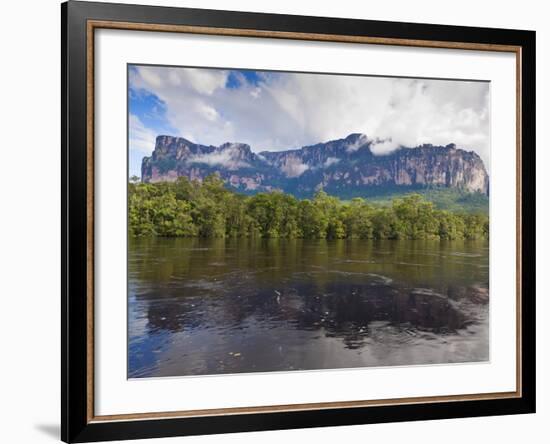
[(201, 307)]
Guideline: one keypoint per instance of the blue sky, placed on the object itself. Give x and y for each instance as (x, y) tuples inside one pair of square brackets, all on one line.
[(151, 112), (147, 112), (239, 78), (277, 110)]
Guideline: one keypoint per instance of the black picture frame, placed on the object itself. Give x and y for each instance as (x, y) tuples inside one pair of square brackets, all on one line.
[(76, 423)]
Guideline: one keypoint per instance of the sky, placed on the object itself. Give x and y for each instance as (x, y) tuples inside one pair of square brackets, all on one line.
[(276, 111)]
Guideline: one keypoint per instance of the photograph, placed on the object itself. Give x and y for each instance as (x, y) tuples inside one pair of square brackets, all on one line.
[(277, 221), (305, 221)]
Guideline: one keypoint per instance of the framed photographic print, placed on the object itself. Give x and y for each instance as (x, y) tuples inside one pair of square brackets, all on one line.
[(275, 221)]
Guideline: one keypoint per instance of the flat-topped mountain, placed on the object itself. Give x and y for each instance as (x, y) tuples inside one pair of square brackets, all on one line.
[(343, 167)]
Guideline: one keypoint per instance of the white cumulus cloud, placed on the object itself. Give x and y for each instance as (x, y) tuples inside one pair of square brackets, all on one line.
[(331, 161), (290, 110), (142, 139), (294, 167), (228, 158)]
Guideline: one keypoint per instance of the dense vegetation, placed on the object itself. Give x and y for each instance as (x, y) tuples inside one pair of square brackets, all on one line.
[(208, 209), (443, 198)]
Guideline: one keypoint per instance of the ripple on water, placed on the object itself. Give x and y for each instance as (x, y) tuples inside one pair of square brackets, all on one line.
[(385, 279), (463, 254)]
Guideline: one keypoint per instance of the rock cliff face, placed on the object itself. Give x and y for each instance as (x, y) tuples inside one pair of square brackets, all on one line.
[(343, 167)]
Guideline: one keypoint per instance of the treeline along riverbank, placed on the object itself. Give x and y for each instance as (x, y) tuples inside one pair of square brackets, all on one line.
[(192, 209)]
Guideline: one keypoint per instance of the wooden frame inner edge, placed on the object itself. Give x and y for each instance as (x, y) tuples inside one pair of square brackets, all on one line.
[(90, 28)]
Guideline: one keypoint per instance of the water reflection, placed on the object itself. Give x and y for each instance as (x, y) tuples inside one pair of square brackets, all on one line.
[(217, 306)]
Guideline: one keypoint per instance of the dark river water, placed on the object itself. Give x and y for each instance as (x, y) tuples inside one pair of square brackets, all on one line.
[(200, 307)]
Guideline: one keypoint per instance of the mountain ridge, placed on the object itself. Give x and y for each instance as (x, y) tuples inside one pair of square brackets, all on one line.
[(345, 166)]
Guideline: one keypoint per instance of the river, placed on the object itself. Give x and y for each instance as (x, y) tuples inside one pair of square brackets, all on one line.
[(202, 307)]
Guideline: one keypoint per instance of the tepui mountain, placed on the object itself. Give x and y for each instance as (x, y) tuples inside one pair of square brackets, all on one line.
[(343, 167)]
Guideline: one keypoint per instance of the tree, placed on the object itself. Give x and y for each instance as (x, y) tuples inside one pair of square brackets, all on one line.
[(357, 219), (208, 209)]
